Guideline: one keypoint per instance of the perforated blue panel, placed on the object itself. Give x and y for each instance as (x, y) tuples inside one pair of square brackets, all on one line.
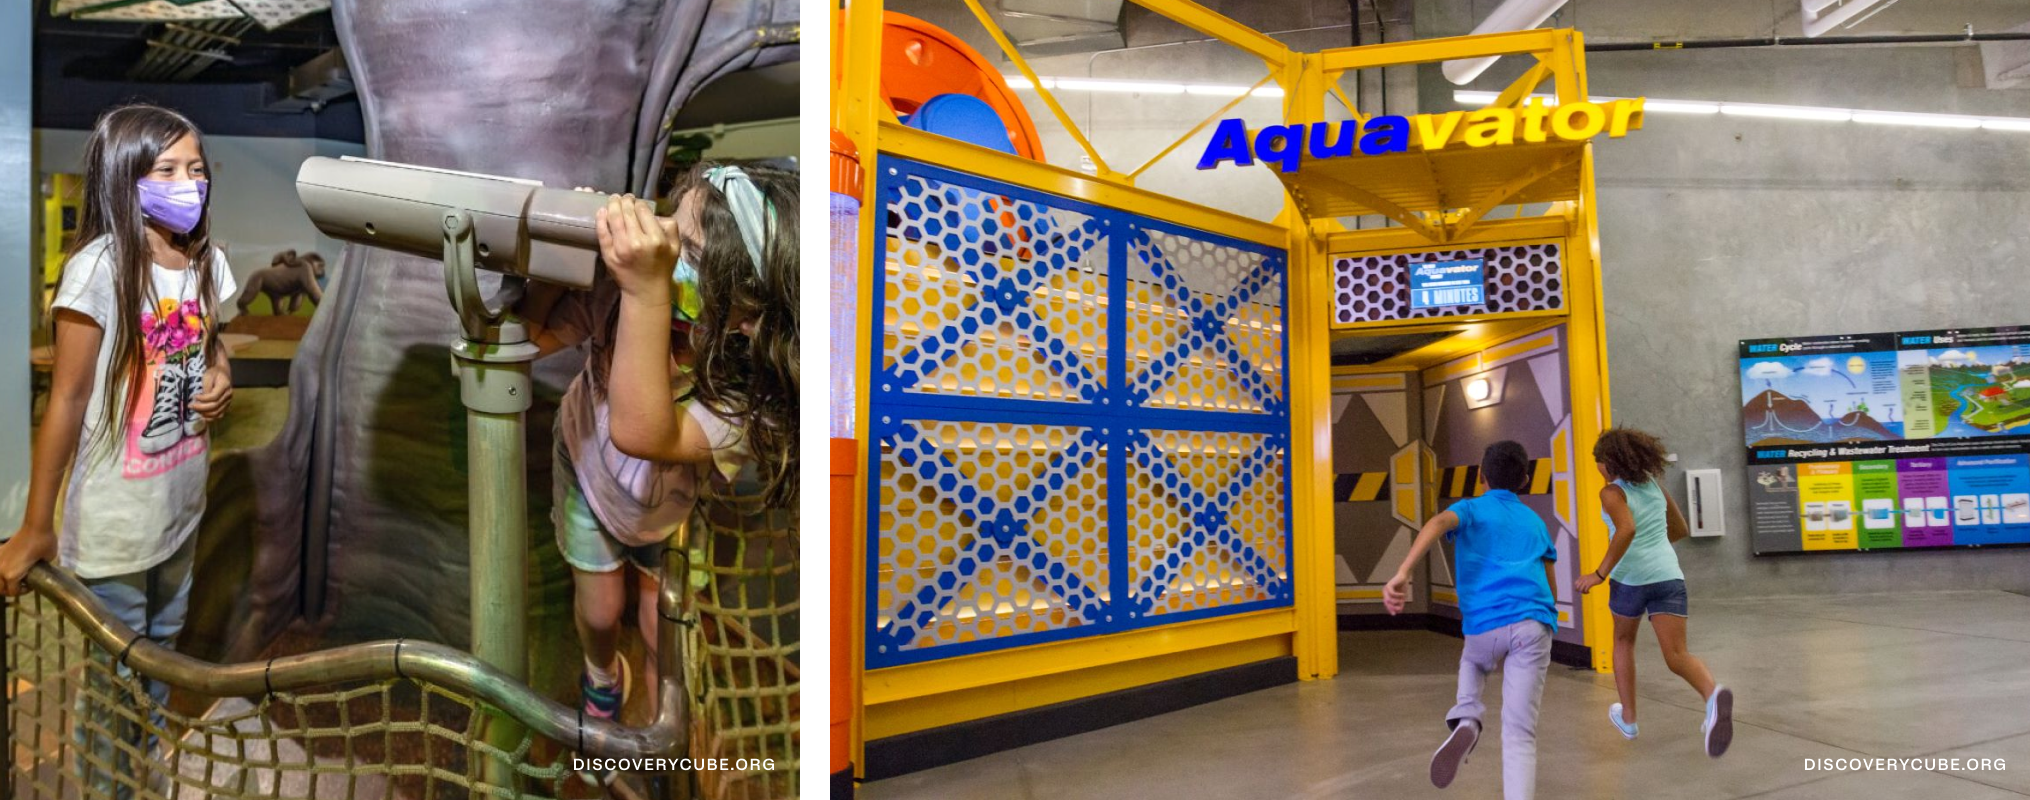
[(1079, 417)]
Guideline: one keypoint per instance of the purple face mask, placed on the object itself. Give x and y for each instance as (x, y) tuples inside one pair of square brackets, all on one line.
[(177, 205)]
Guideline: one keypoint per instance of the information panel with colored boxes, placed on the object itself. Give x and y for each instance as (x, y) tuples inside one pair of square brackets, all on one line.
[(1888, 441)]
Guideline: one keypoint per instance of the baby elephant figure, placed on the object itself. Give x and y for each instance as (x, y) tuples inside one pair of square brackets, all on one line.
[(288, 276)]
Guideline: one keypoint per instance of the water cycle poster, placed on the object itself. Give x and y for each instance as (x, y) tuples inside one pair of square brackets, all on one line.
[(1888, 441)]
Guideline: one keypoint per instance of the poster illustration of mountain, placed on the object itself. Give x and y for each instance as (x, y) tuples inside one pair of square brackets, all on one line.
[(1888, 441)]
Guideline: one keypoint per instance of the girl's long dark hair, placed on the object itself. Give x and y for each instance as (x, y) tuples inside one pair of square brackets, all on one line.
[(750, 380), (124, 145)]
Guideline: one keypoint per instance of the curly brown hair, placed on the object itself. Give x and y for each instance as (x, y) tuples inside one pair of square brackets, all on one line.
[(1630, 455), (750, 379)]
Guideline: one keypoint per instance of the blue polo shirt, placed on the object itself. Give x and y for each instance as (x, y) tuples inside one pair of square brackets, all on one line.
[(1500, 546)]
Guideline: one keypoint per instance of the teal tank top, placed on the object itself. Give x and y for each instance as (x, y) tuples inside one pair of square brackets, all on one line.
[(1650, 558)]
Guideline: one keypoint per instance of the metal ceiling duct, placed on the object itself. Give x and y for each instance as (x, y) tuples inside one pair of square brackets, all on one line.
[(1514, 15)]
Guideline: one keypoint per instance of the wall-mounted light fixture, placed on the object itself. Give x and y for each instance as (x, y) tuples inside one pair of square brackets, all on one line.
[(1485, 389)]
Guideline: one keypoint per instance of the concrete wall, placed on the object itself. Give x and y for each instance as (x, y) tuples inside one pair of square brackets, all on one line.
[(254, 208), (1721, 228)]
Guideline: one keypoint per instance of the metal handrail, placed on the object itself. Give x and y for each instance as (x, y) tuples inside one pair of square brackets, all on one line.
[(425, 662)]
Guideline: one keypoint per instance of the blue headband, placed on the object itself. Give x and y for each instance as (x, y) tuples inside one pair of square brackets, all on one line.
[(751, 213)]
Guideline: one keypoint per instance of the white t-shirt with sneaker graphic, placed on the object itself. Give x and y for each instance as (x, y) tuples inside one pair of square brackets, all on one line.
[(136, 495)]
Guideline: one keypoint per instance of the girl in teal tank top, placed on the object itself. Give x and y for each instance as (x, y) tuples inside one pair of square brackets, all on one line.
[(1642, 571)]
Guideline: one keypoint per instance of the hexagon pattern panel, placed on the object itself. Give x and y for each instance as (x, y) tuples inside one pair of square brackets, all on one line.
[(1205, 326), (1079, 419), (989, 296), (1527, 277), (989, 530), (1206, 516)]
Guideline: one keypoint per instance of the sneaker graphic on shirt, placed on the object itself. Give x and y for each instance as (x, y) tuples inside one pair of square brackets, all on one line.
[(193, 383), (165, 419)]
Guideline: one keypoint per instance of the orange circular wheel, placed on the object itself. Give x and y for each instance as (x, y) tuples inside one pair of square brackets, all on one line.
[(920, 61)]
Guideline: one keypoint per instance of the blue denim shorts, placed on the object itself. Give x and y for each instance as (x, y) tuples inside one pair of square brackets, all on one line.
[(1662, 597)]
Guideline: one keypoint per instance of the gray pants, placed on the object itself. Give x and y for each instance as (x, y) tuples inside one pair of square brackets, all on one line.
[(1526, 646)]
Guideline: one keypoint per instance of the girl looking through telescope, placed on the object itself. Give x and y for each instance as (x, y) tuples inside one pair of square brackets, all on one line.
[(720, 377)]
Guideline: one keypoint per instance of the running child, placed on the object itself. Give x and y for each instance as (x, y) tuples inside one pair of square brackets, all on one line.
[(1507, 612), (1643, 576)]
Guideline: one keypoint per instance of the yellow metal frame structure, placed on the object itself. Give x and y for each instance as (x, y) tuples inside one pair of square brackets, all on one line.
[(927, 695)]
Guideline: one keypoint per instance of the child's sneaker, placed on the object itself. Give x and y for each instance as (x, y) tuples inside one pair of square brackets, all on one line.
[(1628, 729), (1445, 763), (1719, 725), (604, 702)]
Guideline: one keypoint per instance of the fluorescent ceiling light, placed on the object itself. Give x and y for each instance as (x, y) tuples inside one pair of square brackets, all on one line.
[(1680, 107), (1923, 120), (1477, 98), (1787, 112), (1140, 87)]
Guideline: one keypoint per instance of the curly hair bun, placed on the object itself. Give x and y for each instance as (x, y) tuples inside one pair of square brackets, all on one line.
[(1630, 455)]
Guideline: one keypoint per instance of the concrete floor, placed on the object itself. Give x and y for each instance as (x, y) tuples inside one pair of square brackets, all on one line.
[(1943, 674)]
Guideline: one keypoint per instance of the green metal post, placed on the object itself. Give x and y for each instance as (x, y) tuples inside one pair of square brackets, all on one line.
[(492, 362)]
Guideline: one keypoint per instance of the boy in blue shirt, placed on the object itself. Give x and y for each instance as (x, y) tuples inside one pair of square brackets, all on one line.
[(1504, 557)]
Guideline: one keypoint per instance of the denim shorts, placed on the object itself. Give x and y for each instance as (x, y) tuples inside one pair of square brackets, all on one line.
[(1662, 597)]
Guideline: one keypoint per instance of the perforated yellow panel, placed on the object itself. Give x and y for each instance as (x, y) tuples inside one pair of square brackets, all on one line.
[(1205, 326), (1206, 512), (1043, 361), (990, 296), (1039, 562)]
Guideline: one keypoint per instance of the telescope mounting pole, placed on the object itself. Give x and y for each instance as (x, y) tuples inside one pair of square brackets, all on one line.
[(492, 363)]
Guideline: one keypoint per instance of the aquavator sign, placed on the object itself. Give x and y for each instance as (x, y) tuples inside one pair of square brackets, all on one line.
[(1536, 123)]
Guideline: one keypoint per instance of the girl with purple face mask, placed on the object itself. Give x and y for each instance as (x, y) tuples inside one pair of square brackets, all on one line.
[(138, 375)]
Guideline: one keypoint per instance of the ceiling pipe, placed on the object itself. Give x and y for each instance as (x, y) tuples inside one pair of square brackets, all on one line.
[(1785, 41), (1513, 15)]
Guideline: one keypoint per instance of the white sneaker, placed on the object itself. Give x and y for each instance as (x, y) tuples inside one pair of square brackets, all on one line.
[(1445, 763), (1628, 729), (1719, 727)]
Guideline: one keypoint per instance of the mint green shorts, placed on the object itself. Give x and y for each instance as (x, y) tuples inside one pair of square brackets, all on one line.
[(585, 543)]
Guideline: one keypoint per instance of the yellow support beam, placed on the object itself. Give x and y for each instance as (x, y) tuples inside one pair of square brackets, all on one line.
[(1049, 98), (1512, 97), (895, 684), (1592, 406), (1201, 125), (1514, 186), (856, 111), (934, 149), (1423, 51), (1213, 24), (1492, 232), (1019, 694), (1381, 205), (1310, 392)]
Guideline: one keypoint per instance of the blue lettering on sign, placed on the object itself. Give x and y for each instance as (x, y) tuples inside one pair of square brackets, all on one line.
[(1917, 340), (1443, 284), (1762, 348), (1770, 453)]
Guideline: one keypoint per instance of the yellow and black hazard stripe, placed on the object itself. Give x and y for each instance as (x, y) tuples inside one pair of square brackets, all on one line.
[(1457, 482), (1360, 487)]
